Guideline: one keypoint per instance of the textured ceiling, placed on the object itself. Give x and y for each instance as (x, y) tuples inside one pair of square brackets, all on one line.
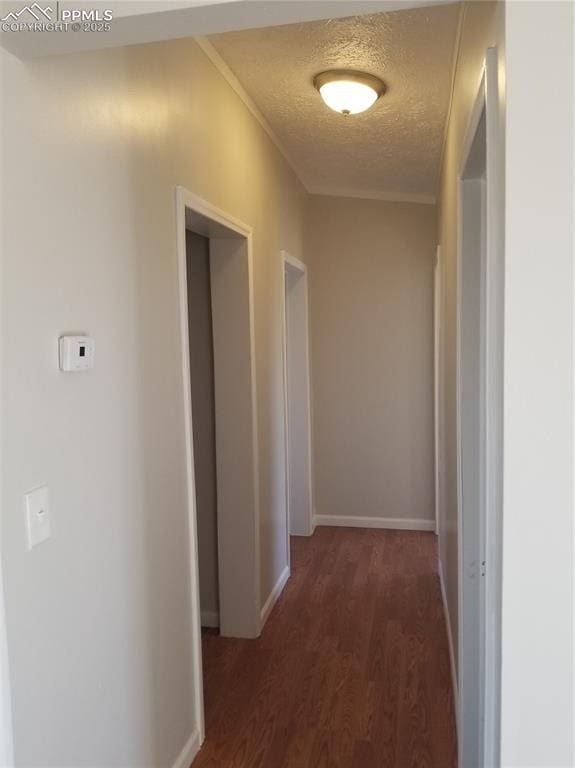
[(392, 150)]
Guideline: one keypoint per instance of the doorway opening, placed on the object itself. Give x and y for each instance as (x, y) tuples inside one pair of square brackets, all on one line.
[(200, 328), (218, 370), (299, 497)]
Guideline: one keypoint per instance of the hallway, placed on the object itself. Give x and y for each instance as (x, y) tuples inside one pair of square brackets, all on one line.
[(352, 668)]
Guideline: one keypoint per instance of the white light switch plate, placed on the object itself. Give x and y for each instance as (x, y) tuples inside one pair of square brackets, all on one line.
[(37, 516)]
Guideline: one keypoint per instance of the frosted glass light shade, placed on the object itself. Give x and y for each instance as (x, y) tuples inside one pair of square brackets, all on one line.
[(348, 93)]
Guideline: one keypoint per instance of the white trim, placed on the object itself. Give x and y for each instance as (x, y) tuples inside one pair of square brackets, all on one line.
[(196, 629), (479, 106), (186, 200), (255, 429), (296, 265), (487, 99), (204, 208), (286, 413), (309, 400), (449, 629), (210, 619), (373, 194), (458, 463), (314, 522), (189, 752), (235, 84), (274, 595), (472, 126), (494, 303), (392, 523), (294, 262), (436, 364)]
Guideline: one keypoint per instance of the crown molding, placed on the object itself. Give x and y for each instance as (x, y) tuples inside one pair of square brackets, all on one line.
[(454, 67), (235, 84), (373, 194)]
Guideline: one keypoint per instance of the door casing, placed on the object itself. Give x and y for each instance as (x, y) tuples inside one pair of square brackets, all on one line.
[(478, 713), (231, 273), (297, 398)]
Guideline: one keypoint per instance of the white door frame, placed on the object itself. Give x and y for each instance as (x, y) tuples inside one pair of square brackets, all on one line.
[(491, 424), (189, 204), (297, 268), (436, 379)]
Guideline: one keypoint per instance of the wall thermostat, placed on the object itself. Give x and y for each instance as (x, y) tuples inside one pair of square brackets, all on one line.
[(76, 353)]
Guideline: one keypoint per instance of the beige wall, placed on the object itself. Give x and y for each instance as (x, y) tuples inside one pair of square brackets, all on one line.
[(371, 303), (98, 623), (482, 27), (204, 417)]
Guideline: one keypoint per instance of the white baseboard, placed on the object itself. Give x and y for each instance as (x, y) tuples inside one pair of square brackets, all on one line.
[(450, 643), (392, 523), (273, 596), (188, 753), (303, 535), (210, 619)]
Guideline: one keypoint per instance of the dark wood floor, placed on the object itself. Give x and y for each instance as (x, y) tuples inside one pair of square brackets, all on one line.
[(351, 670)]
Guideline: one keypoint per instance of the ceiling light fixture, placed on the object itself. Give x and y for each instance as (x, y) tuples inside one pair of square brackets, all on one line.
[(348, 92)]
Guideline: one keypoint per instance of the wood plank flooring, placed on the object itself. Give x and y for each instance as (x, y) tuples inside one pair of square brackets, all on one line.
[(351, 670)]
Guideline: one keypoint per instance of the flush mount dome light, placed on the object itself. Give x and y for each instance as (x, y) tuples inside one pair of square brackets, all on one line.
[(348, 92)]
